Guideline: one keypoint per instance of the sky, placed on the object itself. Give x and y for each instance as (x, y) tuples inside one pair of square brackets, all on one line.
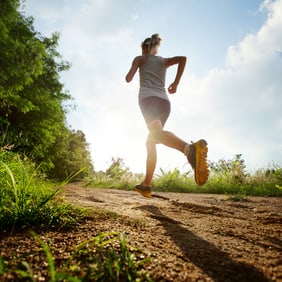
[(230, 93)]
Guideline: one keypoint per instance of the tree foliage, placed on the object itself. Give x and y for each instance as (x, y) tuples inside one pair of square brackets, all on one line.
[(32, 115), (71, 154), (21, 56)]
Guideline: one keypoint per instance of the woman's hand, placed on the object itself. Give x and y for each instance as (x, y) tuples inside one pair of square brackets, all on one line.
[(172, 88)]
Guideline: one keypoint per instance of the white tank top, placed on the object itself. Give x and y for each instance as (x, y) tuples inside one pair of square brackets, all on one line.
[(152, 78)]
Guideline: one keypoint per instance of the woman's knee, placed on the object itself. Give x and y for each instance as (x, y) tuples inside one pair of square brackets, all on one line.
[(151, 143), (157, 135)]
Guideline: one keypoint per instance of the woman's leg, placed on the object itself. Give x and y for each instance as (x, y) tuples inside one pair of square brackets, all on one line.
[(156, 112), (158, 135), (151, 161), (166, 138), (196, 153)]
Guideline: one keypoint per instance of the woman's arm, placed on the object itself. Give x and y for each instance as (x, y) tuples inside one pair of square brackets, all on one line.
[(181, 61), (134, 67)]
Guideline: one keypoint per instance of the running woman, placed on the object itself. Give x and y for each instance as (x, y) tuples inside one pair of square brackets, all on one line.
[(155, 107)]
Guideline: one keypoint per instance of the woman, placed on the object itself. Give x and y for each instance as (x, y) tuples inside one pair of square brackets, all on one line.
[(155, 107)]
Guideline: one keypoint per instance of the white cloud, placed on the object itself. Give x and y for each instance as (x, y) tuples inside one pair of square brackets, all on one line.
[(238, 107), (266, 42)]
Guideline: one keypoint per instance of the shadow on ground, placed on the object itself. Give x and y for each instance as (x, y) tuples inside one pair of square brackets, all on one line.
[(217, 264)]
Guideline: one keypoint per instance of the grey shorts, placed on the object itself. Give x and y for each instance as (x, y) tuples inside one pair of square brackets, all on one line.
[(155, 108)]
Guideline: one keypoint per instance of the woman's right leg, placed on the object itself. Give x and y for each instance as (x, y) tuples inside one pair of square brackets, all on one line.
[(156, 112), (196, 153), (164, 137)]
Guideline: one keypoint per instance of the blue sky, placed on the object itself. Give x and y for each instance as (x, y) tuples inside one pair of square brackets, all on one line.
[(230, 93)]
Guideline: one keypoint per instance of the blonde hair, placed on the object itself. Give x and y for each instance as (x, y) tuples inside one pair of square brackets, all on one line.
[(152, 43)]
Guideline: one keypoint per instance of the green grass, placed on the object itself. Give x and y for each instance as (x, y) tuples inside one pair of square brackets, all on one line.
[(227, 177), (106, 257), (122, 181), (27, 199)]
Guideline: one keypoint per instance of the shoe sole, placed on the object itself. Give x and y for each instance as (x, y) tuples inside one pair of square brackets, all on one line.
[(201, 167), (145, 194)]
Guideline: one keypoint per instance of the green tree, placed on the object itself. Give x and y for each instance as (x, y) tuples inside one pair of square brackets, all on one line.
[(33, 131), (70, 153), (31, 95), (21, 54), (32, 115)]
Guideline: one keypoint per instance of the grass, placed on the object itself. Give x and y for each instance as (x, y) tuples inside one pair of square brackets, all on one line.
[(226, 177), (124, 180), (26, 199), (105, 257)]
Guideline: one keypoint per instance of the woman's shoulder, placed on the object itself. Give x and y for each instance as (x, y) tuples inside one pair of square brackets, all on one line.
[(159, 58), (141, 59)]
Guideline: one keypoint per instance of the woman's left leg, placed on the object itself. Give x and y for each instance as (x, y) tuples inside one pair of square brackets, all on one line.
[(151, 161)]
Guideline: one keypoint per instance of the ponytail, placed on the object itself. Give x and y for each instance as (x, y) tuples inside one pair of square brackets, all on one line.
[(152, 43)]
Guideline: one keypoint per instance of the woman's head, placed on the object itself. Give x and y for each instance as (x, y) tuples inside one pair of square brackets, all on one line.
[(150, 45)]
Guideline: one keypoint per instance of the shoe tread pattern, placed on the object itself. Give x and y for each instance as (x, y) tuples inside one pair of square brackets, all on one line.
[(201, 167)]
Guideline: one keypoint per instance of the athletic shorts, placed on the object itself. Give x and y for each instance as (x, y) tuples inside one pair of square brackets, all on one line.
[(155, 108)]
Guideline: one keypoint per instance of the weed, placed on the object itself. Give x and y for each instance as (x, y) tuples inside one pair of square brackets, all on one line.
[(105, 257)]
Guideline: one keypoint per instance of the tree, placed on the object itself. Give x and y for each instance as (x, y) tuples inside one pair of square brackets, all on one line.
[(31, 95), (70, 154), (34, 128), (32, 115), (21, 54)]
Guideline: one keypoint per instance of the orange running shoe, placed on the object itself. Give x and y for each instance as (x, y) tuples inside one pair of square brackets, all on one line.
[(145, 191), (197, 157)]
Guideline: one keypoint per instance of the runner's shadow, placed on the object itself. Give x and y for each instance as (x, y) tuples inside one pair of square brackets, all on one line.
[(216, 263)]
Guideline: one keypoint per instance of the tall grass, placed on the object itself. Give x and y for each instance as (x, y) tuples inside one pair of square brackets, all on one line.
[(103, 180), (226, 177), (259, 184), (26, 198)]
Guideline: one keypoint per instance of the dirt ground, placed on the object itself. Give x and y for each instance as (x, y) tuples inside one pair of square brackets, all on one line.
[(188, 237)]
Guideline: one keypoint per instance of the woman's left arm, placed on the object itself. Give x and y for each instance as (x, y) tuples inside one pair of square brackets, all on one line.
[(181, 61)]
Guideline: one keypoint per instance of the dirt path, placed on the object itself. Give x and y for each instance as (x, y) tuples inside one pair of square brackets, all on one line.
[(192, 237)]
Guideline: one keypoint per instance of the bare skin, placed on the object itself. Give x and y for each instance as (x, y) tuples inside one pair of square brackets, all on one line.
[(157, 135)]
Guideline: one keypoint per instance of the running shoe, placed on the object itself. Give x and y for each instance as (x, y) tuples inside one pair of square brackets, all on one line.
[(145, 191), (197, 157)]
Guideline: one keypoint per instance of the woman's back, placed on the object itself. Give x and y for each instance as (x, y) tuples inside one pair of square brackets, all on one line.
[(152, 78)]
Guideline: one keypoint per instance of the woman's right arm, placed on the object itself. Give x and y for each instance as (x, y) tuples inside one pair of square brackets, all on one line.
[(134, 67)]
